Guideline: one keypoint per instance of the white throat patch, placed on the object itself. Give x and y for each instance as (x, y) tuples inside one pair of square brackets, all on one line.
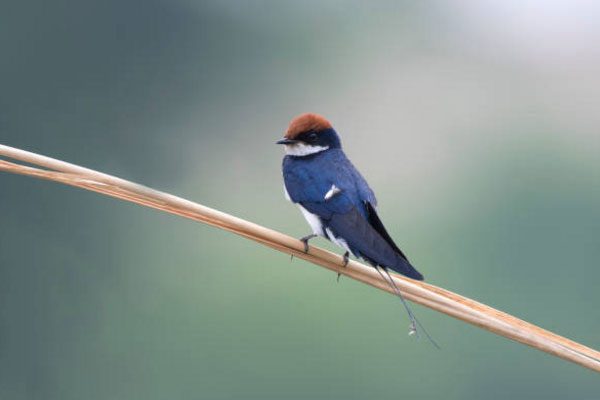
[(302, 149)]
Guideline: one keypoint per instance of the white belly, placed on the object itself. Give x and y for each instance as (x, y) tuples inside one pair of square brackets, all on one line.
[(313, 220)]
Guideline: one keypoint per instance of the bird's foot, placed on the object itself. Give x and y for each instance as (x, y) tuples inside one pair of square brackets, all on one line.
[(305, 240), (346, 261)]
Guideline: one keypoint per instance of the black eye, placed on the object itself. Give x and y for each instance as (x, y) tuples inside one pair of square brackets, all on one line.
[(313, 137)]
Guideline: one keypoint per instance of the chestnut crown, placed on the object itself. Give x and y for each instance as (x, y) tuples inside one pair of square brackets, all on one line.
[(310, 132)]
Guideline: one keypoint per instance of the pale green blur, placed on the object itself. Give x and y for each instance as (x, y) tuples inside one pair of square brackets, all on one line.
[(476, 123)]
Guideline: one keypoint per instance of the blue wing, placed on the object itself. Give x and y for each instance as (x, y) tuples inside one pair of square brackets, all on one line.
[(308, 179), (350, 214)]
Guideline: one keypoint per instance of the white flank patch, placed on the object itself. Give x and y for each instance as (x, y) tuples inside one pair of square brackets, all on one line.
[(332, 192), (339, 241), (313, 220), (302, 149), (285, 192)]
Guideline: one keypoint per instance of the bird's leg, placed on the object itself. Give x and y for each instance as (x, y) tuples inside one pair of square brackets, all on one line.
[(346, 261), (305, 240)]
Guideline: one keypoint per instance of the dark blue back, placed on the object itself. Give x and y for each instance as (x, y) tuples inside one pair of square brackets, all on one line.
[(307, 179)]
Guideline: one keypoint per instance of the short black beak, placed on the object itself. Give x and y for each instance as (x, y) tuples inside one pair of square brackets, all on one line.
[(286, 141)]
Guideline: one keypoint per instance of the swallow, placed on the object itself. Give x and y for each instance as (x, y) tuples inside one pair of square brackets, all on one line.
[(336, 200)]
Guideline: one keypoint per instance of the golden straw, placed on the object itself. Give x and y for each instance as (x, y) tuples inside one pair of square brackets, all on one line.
[(434, 297)]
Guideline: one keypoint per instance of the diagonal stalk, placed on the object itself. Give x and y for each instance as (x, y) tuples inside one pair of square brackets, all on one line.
[(434, 297)]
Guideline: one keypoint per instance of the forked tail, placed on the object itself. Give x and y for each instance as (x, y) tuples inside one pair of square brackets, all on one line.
[(414, 322)]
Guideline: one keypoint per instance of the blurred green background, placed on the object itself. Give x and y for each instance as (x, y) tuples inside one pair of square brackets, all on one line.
[(475, 122)]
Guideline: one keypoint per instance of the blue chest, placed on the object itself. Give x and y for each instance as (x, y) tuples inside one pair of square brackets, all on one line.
[(308, 179)]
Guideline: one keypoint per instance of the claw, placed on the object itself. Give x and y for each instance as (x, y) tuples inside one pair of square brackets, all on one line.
[(305, 240), (346, 261)]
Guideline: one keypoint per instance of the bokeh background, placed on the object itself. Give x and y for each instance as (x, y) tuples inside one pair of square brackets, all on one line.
[(476, 122)]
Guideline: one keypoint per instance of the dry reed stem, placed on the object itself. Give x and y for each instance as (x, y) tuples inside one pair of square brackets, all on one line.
[(436, 298)]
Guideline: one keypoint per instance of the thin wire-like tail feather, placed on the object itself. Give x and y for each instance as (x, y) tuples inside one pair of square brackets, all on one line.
[(414, 322)]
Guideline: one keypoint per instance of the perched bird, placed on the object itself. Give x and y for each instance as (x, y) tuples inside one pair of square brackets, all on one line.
[(336, 200)]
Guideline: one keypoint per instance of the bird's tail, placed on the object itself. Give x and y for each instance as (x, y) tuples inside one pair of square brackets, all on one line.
[(415, 325), (403, 267)]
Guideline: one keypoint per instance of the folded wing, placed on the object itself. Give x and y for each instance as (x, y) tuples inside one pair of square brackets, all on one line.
[(350, 213)]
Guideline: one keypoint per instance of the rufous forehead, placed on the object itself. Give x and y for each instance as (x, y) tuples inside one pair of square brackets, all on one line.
[(305, 123)]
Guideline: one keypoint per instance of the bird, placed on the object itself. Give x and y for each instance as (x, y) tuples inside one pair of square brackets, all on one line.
[(336, 200)]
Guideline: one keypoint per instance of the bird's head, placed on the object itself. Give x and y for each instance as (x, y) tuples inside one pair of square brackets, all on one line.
[(309, 134)]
